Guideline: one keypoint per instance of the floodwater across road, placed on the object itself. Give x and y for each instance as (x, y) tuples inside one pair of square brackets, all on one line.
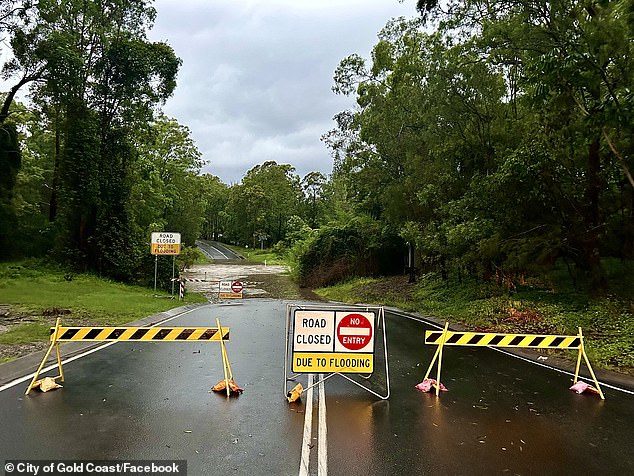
[(152, 401)]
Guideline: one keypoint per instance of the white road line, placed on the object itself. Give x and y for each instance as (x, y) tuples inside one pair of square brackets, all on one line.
[(322, 448), (308, 429), (79, 356), (213, 247)]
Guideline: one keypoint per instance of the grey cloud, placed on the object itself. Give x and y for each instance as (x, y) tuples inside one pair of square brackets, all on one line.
[(256, 76)]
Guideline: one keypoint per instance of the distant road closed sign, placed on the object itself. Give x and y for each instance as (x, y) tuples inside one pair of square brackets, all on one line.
[(166, 243), (333, 341), (230, 289)]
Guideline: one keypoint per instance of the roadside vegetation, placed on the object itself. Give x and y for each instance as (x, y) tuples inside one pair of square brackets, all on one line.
[(548, 306), (257, 255), (34, 294)]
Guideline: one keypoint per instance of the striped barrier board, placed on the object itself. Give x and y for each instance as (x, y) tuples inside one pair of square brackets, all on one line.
[(503, 340), (142, 334), (492, 339)]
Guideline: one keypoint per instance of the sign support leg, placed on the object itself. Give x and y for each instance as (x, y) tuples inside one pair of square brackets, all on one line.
[(173, 264), (155, 270)]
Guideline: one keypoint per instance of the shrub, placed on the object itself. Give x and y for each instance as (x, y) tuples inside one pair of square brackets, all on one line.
[(335, 253)]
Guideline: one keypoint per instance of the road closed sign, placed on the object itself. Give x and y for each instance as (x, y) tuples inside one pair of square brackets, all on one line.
[(333, 341), (165, 243), (230, 289)]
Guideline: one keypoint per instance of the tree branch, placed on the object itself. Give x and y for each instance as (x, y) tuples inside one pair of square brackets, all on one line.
[(626, 170)]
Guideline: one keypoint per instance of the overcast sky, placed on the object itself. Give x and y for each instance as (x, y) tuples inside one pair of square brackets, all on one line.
[(256, 75)]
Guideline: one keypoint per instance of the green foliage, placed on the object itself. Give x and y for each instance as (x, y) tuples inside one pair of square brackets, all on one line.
[(607, 322), (10, 160), (491, 143), (189, 256), (26, 333), (95, 86), (358, 248), (260, 206)]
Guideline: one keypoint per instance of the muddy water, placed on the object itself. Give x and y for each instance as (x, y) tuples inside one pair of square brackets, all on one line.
[(263, 281)]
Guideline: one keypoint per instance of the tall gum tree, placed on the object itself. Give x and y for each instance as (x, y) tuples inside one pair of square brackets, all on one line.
[(102, 79)]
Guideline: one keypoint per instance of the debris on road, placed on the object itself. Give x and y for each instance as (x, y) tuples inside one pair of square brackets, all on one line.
[(581, 387)]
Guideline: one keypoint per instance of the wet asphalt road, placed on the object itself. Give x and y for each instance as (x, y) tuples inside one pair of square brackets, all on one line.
[(216, 250), (152, 401)]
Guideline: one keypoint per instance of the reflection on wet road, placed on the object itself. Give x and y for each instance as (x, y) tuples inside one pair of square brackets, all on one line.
[(152, 401)]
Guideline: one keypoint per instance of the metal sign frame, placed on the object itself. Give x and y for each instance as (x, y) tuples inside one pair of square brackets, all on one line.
[(379, 314)]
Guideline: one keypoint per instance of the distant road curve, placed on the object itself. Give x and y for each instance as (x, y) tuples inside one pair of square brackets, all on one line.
[(217, 251)]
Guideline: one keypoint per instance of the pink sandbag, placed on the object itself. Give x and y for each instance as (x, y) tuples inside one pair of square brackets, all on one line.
[(581, 387), (429, 383)]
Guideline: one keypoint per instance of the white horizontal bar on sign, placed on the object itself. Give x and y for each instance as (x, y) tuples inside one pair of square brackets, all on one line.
[(354, 331)]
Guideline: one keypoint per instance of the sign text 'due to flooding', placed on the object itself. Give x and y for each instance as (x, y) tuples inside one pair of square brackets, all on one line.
[(305, 362)]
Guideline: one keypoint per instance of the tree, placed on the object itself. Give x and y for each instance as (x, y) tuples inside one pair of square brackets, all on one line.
[(313, 187), (572, 62), (262, 203), (216, 198), (102, 80)]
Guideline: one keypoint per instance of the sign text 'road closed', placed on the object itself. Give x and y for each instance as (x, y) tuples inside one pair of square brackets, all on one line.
[(333, 341), (165, 243)]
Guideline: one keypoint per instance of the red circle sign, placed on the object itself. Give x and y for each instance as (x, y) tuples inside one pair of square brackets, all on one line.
[(354, 331), (237, 287)]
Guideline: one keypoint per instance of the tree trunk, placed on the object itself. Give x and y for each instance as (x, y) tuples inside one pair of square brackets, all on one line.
[(592, 219), (52, 210)]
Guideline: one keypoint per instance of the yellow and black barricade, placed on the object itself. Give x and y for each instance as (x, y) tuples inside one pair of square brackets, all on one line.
[(145, 334), (129, 334), (492, 339)]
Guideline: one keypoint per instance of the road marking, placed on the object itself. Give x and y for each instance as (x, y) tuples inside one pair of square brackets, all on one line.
[(322, 440), (322, 448), (308, 429), (79, 356), (213, 247)]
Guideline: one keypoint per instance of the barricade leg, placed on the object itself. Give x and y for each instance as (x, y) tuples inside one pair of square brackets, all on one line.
[(55, 344), (585, 357), (224, 358), (442, 344), (436, 358)]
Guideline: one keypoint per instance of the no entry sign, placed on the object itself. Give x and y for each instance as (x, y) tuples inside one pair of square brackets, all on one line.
[(230, 289), (354, 332), (333, 341)]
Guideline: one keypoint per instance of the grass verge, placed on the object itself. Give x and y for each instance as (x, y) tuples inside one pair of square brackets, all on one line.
[(254, 255), (33, 295), (607, 322)]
